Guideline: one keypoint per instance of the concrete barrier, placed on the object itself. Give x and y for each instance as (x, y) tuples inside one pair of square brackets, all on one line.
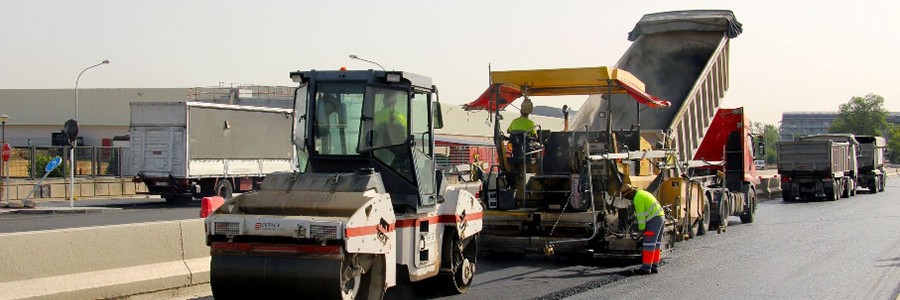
[(103, 262), (769, 187)]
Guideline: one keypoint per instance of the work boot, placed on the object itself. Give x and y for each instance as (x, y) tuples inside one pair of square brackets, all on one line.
[(654, 268), (642, 271)]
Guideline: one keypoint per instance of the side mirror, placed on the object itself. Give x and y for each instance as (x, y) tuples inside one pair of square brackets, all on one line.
[(438, 119), (761, 148)]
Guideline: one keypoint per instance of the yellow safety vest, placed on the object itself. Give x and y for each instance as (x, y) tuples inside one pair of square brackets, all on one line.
[(646, 207)]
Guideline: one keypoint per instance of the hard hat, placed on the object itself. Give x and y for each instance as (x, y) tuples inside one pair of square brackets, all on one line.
[(527, 106)]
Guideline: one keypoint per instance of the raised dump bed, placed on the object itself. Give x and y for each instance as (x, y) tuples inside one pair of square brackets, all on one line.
[(682, 57)]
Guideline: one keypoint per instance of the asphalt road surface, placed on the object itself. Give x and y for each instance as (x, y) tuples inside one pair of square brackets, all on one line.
[(848, 249), (118, 211)]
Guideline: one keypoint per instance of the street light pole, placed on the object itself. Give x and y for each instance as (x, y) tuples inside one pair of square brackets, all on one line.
[(75, 141), (3, 165), (104, 62), (353, 56)]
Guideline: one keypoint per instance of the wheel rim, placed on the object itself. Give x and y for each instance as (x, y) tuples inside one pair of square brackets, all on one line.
[(468, 271), (350, 280)]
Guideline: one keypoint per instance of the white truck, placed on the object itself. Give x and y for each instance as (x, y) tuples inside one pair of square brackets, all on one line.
[(182, 150)]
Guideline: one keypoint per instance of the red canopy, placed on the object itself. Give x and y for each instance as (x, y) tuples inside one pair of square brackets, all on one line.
[(509, 93)]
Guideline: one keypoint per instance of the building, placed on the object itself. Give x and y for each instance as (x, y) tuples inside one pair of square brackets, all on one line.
[(797, 124), (104, 114)]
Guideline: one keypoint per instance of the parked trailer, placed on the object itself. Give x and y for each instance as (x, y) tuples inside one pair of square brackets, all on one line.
[(811, 169), (182, 150), (871, 162)]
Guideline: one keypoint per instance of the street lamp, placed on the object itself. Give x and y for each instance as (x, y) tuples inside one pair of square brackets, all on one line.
[(4, 166), (353, 56), (75, 141), (104, 62)]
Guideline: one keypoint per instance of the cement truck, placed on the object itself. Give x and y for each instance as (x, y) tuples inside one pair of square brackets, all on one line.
[(364, 208)]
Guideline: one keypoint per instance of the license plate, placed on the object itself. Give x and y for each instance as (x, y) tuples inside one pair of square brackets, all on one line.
[(161, 183)]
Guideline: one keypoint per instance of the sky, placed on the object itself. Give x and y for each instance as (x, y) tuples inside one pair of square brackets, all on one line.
[(796, 55)]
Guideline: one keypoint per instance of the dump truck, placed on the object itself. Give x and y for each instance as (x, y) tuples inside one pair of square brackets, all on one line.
[(873, 152), (558, 191), (726, 169), (815, 168), (364, 208), (186, 150), (850, 180)]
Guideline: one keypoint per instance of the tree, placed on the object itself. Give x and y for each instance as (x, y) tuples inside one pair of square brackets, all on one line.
[(769, 134), (894, 144), (861, 115)]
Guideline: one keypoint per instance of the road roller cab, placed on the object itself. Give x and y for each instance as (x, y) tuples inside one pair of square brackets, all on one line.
[(364, 207)]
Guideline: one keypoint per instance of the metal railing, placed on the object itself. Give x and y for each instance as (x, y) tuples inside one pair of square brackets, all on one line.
[(458, 160), (90, 161)]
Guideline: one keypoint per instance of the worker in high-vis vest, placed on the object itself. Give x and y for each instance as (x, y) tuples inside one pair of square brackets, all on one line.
[(523, 123), (650, 218)]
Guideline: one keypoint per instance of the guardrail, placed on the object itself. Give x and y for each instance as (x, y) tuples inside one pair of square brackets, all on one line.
[(103, 262)]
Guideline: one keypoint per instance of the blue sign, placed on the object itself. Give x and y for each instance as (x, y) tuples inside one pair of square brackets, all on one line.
[(53, 164)]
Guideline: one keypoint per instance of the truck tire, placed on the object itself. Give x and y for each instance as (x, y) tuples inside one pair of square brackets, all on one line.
[(833, 192), (178, 199), (223, 189), (845, 187), (873, 185), (749, 208), (704, 217), (881, 183), (786, 195)]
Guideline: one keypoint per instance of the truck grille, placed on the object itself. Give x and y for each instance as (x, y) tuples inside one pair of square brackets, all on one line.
[(323, 232), (227, 228)]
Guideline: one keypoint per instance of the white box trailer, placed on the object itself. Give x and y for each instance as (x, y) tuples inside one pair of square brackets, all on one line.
[(182, 150)]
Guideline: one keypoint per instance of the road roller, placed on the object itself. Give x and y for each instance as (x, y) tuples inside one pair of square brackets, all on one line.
[(365, 208)]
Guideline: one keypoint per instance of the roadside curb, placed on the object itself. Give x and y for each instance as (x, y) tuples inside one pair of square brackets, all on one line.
[(58, 210)]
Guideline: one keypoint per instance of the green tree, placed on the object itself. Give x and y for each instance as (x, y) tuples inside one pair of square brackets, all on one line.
[(861, 115), (894, 144), (769, 134)]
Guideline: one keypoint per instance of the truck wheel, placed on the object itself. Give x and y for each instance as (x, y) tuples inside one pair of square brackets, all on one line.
[(832, 193), (786, 195), (845, 188), (459, 259), (704, 218), (178, 200), (749, 209), (223, 189)]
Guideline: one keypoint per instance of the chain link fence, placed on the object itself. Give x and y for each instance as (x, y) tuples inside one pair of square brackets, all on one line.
[(90, 161)]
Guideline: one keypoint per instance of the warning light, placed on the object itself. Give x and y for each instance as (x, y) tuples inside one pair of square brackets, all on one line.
[(343, 68)]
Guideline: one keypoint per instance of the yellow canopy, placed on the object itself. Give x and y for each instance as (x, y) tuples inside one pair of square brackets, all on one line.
[(573, 81)]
